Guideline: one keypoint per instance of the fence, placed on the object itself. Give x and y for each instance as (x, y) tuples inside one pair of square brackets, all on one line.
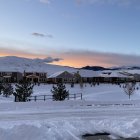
[(50, 97)]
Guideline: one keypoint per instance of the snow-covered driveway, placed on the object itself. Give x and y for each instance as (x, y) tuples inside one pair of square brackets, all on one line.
[(67, 120)]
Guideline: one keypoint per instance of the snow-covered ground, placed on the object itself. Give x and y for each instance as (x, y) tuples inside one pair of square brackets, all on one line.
[(104, 108), (102, 92)]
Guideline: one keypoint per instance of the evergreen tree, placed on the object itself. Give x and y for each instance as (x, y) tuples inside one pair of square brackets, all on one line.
[(23, 90), (7, 89), (59, 92)]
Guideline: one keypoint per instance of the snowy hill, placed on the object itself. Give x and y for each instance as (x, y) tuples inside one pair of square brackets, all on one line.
[(12, 63)]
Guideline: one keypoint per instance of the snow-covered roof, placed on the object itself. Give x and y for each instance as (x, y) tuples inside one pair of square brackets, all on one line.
[(133, 71), (114, 74), (83, 73), (59, 75), (56, 74), (89, 73)]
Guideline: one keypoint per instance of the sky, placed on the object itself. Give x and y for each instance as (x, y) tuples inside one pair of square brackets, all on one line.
[(73, 32)]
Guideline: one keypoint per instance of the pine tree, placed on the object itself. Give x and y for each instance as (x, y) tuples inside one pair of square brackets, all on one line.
[(23, 90), (59, 92), (7, 89)]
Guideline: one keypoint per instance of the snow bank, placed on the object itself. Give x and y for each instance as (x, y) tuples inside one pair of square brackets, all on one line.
[(71, 129)]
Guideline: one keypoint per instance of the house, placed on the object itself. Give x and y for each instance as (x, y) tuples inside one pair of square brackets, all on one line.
[(114, 76), (136, 77), (11, 77), (77, 77), (86, 76), (133, 73), (36, 77), (62, 76)]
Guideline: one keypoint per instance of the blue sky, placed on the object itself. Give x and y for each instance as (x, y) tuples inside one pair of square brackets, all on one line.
[(98, 31)]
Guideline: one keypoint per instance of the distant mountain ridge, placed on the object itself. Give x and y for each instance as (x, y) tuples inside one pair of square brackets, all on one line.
[(95, 68), (20, 64), (99, 68), (13, 63)]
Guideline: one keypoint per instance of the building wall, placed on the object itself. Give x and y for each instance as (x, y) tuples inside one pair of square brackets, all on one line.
[(16, 77), (13, 76), (41, 77)]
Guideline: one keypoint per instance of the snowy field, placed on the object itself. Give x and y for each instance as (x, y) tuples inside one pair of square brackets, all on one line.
[(104, 108)]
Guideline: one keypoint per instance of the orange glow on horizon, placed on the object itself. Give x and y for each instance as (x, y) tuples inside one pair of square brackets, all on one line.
[(72, 61), (81, 61), (79, 64)]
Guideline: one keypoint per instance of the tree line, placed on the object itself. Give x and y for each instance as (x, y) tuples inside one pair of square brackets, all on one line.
[(24, 89)]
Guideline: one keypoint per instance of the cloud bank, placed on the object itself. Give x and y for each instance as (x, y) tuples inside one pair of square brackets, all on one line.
[(93, 58), (48, 60), (75, 58), (36, 34)]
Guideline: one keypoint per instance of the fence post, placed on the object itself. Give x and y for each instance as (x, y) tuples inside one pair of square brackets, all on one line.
[(44, 98), (35, 98), (74, 96), (81, 96)]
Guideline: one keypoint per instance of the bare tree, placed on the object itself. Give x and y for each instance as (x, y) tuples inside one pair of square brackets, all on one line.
[(129, 88)]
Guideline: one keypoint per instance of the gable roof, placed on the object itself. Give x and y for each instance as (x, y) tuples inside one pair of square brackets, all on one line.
[(62, 74), (56, 74)]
